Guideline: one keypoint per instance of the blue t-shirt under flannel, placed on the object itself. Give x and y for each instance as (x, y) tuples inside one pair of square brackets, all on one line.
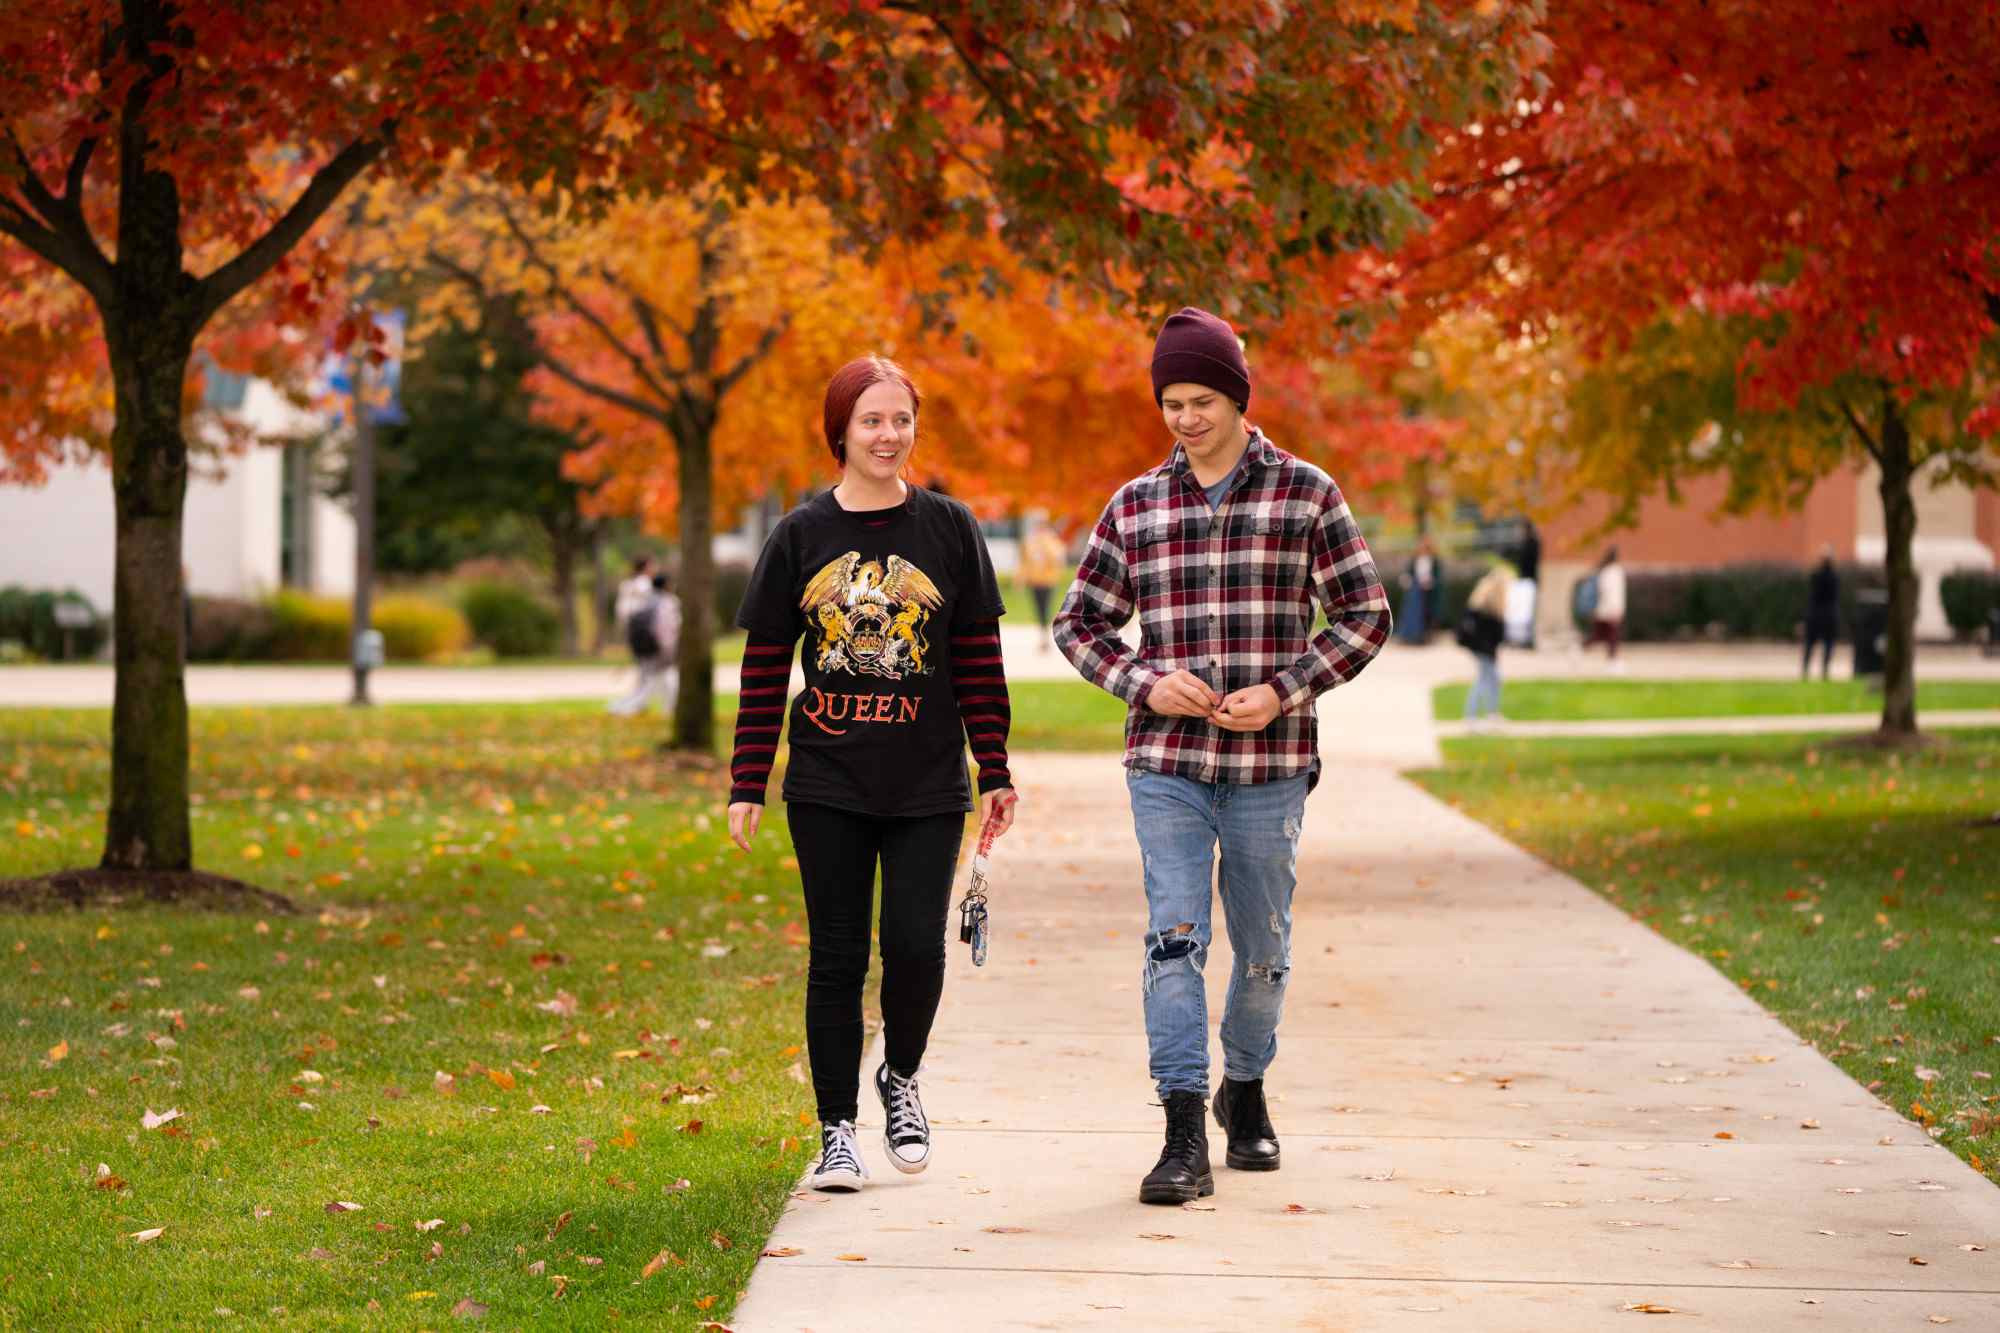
[(1221, 488)]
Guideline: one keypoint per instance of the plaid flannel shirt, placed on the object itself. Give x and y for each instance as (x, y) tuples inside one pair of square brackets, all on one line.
[(1227, 594)]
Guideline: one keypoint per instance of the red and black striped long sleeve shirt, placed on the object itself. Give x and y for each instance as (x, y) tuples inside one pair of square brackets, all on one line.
[(978, 681)]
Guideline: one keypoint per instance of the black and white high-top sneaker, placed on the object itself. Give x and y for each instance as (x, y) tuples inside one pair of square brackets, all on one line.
[(907, 1135), (840, 1169)]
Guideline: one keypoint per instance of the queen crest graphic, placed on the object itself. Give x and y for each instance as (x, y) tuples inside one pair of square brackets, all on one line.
[(869, 616)]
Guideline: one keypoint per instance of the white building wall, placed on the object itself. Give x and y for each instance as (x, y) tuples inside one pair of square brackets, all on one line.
[(215, 527), (62, 534), (333, 540)]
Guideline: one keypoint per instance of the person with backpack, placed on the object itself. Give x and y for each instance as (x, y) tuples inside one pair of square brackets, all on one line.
[(653, 633), (1481, 630), (1601, 597), (634, 591)]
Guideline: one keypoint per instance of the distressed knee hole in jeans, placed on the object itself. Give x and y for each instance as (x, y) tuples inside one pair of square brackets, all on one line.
[(1271, 973), (1167, 948)]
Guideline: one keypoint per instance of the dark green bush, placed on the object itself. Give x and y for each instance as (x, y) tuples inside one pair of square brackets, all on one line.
[(28, 617), (228, 629), (1970, 596), (1763, 600), (510, 620)]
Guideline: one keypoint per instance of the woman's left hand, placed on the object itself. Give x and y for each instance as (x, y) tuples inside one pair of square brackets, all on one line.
[(997, 808)]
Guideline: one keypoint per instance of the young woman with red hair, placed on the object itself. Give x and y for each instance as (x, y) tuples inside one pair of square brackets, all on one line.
[(892, 589)]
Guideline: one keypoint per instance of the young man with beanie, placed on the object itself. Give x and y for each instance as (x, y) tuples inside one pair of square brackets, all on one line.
[(1223, 551)]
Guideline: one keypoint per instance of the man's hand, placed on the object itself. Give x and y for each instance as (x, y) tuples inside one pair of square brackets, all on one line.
[(1247, 710), (1001, 800), (744, 817), (1183, 694)]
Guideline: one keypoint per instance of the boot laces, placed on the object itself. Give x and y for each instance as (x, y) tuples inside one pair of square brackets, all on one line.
[(1183, 1129)]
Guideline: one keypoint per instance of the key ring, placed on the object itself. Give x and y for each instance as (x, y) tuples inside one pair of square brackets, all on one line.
[(973, 923)]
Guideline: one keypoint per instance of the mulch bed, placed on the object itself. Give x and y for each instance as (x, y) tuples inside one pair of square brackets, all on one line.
[(97, 886)]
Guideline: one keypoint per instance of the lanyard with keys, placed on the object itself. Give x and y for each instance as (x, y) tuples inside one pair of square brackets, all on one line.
[(973, 928)]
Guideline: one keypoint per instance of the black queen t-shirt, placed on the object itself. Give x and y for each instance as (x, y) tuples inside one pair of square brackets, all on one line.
[(876, 596)]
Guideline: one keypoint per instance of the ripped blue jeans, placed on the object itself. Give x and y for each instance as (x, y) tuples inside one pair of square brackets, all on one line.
[(1182, 824)]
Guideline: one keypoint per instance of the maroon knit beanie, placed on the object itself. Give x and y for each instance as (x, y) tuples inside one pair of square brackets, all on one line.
[(1195, 347)]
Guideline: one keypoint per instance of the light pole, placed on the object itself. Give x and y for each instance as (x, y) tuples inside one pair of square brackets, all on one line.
[(367, 644)]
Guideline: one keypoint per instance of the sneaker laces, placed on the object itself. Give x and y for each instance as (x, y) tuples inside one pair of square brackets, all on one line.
[(837, 1149), (906, 1113)]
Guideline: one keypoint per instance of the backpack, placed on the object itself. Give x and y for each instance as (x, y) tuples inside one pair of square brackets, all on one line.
[(1584, 599), (640, 635), (1480, 632)]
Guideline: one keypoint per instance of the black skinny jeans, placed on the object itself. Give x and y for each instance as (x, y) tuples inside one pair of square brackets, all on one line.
[(838, 852)]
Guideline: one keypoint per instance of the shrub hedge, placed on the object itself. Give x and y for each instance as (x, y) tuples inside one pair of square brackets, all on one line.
[(510, 620), (1970, 596), (229, 629), (1760, 600), (416, 629), (28, 617)]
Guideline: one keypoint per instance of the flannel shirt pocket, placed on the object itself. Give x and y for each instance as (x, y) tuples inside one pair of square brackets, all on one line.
[(1280, 545), (1151, 553)]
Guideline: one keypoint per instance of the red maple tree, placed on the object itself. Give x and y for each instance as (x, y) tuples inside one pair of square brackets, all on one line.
[(1823, 176)]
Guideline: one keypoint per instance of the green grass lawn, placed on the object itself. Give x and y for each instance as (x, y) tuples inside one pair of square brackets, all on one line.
[(534, 994), (1850, 892), (1583, 700)]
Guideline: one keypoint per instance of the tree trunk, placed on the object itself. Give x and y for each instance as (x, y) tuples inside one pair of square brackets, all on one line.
[(149, 329), (147, 825), (694, 712), (562, 582), (1899, 530)]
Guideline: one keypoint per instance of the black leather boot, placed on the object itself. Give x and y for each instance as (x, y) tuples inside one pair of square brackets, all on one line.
[(1182, 1172), (1240, 1110)]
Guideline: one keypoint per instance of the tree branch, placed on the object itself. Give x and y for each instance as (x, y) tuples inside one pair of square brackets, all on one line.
[(79, 163), (32, 189), (64, 237), (589, 316), (89, 268), (1868, 441), (261, 255), (616, 397), (649, 323), (765, 342)]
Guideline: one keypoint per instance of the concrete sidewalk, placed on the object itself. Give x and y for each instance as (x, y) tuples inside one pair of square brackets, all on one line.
[(1504, 1105)]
